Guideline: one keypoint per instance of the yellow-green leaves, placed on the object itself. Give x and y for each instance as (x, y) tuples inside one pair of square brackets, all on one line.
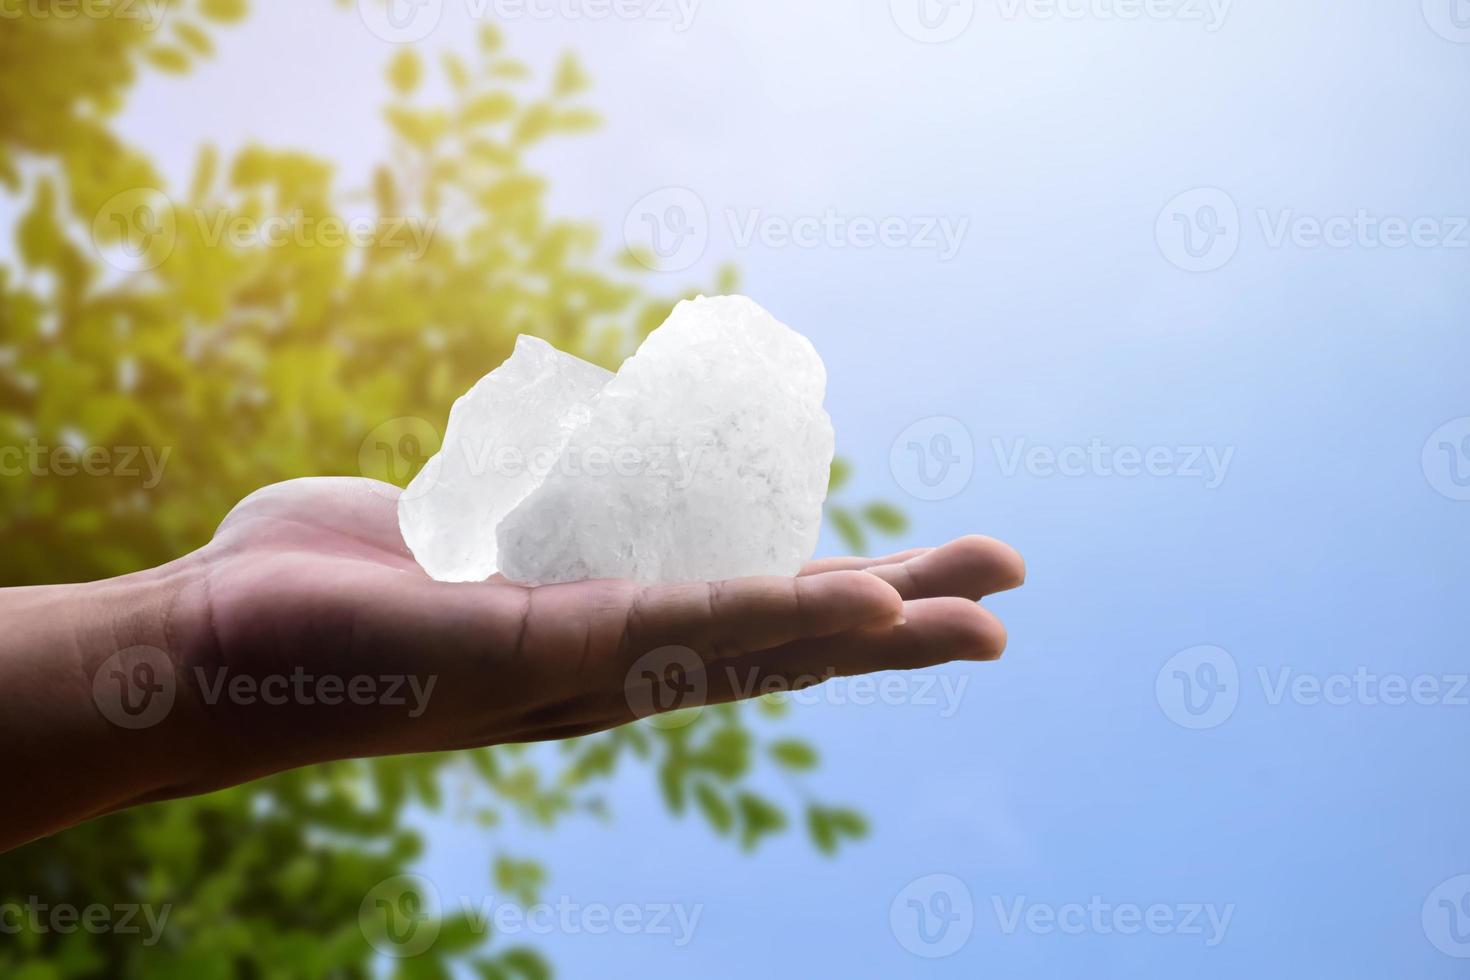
[(491, 40), (224, 11), (455, 70), (488, 107), (571, 121), (570, 78), (194, 37), (253, 361), (168, 58), (423, 128), (405, 72), (38, 236)]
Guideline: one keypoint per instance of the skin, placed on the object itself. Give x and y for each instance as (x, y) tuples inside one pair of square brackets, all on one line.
[(312, 578)]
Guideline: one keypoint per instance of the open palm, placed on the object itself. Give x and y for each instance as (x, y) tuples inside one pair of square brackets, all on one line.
[(310, 579)]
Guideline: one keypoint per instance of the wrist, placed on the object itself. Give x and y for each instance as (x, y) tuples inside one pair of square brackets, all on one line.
[(91, 712), (135, 653)]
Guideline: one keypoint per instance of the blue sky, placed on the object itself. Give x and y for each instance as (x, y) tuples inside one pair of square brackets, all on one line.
[(1301, 395)]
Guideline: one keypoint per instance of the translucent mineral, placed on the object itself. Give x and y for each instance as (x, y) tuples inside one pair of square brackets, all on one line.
[(706, 457), (503, 436)]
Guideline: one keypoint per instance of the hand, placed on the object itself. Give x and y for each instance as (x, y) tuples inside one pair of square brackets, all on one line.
[(305, 631)]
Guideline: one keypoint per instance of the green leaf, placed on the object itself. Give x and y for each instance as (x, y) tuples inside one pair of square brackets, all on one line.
[(848, 529), (491, 107), (886, 518), (168, 58), (534, 124), (849, 822), (714, 807), (777, 704), (597, 759), (841, 473), (225, 11), (820, 829), (726, 753), (758, 818), (510, 70), (38, 235), (523, 879), (794, 754), (194, 37), (405, 72), (454, 68), (829, 826), (485, 763), (671, 783), (458, 934), (570, 78), (421, 129), (727, 279), (575, 121), (9, 175)]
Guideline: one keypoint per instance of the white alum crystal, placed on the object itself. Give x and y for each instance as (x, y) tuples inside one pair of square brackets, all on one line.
[(515, 419), (707, 457), (720, 456)]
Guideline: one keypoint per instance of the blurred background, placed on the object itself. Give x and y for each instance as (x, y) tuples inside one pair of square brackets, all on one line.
[(1170, 294)]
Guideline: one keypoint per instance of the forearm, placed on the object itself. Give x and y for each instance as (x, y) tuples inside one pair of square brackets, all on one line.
[(304, 632), (85, 681)]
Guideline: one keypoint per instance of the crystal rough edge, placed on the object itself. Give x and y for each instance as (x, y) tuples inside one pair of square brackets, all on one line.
[(502, 438), (713, 458)]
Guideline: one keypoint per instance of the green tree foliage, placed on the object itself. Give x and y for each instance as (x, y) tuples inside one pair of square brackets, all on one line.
[(251, 362)]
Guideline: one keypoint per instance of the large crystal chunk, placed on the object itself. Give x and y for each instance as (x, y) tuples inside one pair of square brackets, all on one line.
[(503, 436), (706, 457)]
